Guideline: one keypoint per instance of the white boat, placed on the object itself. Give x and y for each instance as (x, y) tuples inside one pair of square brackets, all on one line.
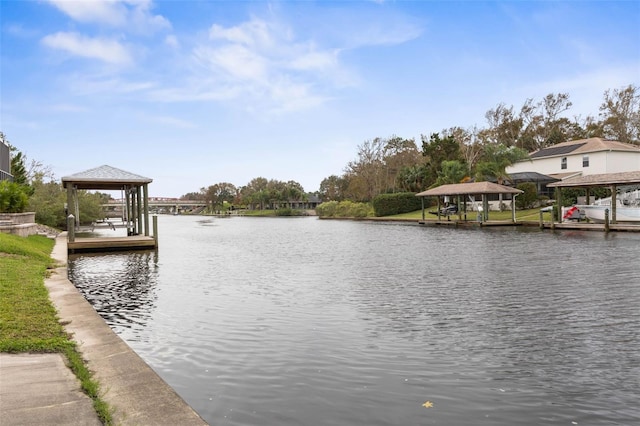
[(627, 208)]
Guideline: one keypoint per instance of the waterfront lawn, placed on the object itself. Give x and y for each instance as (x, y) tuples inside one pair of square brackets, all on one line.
[(28, 320), (521, 215)]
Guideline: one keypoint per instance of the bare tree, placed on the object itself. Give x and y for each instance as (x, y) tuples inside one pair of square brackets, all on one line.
[(620, 114)]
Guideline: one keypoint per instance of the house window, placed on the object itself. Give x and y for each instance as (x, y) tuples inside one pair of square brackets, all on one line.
[(585, 161), (563, 163)]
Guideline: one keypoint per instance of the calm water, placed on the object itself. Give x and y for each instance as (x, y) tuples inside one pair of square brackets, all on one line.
[(258, 321)]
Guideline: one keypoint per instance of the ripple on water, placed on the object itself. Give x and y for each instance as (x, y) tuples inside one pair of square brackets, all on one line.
[(301, 321)]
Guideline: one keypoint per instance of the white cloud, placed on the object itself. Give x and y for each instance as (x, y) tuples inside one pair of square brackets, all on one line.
[(256, 32), (135, 15), (96, 11), (106, 50), (172, 41)]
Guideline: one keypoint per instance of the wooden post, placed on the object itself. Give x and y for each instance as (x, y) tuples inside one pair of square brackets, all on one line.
[(128, 209), (513, 207), (465, 208), (485, 207), (139, 205), (614, 201), (459, 208), (438, 209), (146, 209), (155, 228), (422, 202), (606, 220), (559, 204), (541, 219), (71, 228), (134, 219), (69, 202)]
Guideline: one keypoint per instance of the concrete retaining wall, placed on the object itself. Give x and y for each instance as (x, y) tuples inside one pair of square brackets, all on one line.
[(21, 224)]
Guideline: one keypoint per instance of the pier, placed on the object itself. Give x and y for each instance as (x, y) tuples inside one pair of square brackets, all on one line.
[(136, 209)]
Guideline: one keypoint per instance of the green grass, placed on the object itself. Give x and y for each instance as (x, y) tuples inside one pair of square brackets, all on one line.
[(28, 320), (521, 215)]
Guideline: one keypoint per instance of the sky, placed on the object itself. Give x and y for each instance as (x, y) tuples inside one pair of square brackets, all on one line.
[(193, 93)]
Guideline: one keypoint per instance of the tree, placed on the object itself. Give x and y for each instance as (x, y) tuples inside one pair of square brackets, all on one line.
[(255, 193), (413, 178), (496, 158), (505, 126), (469, 143), (620, 114), (13, 198), (333, 188), (437, 150), (216, 195), (451, 172)]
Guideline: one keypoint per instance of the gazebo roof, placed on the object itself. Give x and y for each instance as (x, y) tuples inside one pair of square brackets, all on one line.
[(604, 179), (105, 178), (469, 188)]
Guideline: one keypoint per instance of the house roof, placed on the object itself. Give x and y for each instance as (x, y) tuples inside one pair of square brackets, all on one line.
[(583, 146), (604, 179), (530, 177), (104, 177), (469, 188)]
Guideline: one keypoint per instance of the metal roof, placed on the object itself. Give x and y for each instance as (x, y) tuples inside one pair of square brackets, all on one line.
[(604, 179), (104, 177), (530, 177), (469, 188)]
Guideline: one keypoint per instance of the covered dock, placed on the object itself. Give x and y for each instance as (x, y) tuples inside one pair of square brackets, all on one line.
[(465, 190), (612, 181), (136, 209)]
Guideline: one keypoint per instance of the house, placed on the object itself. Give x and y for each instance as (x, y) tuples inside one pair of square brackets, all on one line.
[(580, 158), (5, 161)]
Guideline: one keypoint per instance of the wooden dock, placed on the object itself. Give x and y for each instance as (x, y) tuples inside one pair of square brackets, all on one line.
[(469, 223), (582, 226), (575, 226), (106, 244)]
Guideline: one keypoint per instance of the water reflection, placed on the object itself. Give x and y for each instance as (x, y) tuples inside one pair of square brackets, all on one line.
[(121, 286)]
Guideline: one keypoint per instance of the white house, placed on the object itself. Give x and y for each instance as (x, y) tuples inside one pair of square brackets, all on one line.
[(581, 157)]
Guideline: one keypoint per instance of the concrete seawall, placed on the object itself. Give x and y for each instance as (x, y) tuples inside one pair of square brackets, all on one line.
[(138, 395)]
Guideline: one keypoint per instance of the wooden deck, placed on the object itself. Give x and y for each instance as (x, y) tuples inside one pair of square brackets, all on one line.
[(106, 244), (582, 226), (576, 226), (469, 223)]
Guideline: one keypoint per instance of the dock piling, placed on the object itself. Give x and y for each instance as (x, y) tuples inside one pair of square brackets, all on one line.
[(71, 228)]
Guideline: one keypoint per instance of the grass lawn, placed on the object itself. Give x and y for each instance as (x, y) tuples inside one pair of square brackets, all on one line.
[(521, 215), (28, 320)]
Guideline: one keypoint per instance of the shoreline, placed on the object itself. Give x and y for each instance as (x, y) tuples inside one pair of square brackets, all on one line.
[(135, 392)]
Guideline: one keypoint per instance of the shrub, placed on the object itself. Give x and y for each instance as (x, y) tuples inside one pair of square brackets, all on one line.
[(391, 204), (529, 197), (13, 198), (344, 209)]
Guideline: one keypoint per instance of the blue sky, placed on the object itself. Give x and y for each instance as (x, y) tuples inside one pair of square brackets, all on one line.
[(192, 93)]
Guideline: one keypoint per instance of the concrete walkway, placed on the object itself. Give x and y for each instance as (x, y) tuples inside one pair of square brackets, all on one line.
[(38, 389)]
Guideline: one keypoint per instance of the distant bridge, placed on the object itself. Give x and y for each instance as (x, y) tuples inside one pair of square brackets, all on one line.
[(159, 205)]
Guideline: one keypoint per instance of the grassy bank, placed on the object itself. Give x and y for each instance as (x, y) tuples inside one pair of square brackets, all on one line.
[(28, 320), (532, 215)]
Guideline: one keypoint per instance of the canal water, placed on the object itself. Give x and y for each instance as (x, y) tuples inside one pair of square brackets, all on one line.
[(301, 321)]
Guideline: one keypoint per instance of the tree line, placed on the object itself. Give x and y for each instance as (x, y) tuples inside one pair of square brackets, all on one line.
[(457, 154)]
